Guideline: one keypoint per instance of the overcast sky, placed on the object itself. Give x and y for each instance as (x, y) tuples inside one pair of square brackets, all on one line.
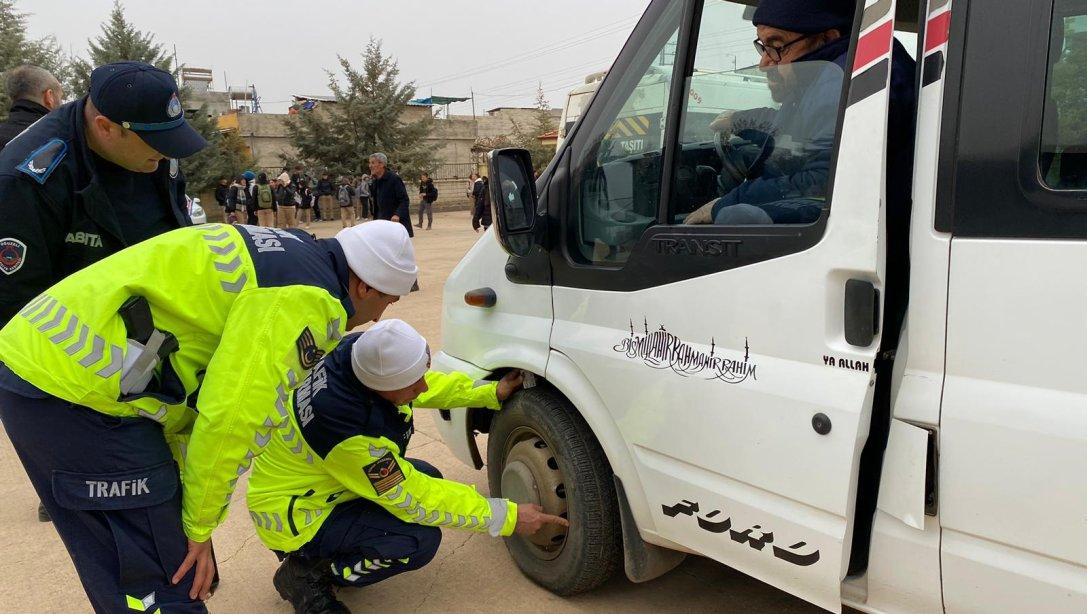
[(499, 48)]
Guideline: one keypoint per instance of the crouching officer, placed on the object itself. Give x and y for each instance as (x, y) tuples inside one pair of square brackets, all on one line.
[(202, 331), (333, 523)]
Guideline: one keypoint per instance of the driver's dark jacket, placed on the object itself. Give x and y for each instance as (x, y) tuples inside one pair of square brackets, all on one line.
[(809, 120), (56, 217)]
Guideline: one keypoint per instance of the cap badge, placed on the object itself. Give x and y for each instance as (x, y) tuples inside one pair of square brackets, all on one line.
[(174, 108)]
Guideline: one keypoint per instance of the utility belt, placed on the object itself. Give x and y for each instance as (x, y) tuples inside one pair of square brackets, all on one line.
[(148, 349)]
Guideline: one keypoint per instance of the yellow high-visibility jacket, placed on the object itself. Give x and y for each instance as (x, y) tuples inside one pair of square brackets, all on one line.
[(345, 442), (252, 309)]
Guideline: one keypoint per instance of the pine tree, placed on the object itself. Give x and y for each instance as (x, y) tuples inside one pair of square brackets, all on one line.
[(119, 40), (16, 50), (529, 138), (365, 118)]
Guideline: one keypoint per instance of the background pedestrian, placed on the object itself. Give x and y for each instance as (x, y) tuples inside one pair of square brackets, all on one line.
[(345, 199), (389, 193), (428, 194), (34, 93), (264, 203), (323, 208), (286, 207)]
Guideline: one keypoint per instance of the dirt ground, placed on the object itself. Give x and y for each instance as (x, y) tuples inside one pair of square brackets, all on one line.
[(471, 573)]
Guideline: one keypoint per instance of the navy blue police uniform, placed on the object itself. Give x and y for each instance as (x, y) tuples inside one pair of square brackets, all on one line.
[(64, 207)]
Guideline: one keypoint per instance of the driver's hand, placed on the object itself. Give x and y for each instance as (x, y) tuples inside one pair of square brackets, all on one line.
[(702, 215), (723, 122)]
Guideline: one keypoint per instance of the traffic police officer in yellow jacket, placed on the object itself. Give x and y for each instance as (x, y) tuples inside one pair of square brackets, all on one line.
[(334, 495), (189, 343)]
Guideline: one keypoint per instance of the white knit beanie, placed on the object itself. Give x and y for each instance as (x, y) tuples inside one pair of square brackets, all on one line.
[(380, 253), (390, 356), (284, 177)]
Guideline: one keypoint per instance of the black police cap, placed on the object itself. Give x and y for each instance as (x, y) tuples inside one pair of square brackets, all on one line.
[(144, 99)]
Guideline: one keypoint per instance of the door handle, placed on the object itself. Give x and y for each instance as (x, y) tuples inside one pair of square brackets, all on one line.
[(861, 312)]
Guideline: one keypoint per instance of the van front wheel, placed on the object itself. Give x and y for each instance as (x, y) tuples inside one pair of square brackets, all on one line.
[(541, 451)]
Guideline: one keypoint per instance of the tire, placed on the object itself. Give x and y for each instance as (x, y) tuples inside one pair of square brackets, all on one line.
[(591, 550)]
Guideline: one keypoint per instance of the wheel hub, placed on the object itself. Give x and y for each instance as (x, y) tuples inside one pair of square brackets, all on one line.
[(531, 475)]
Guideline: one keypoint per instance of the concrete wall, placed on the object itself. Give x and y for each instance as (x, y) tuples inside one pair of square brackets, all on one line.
[(452, 140)]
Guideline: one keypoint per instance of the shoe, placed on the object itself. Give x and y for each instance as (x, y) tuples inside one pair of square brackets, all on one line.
[(418, 225), (307, 585), (43, 514)]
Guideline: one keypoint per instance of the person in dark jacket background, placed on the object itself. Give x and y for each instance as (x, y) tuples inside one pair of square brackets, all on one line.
[(237, 202), (322, 209), (251, 206), (481, 204), (428, 194), (34, 93), (286, 203), (389, 193), (222, 195)]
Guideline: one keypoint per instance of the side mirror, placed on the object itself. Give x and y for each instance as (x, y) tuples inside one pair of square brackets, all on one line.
[(513, 192)]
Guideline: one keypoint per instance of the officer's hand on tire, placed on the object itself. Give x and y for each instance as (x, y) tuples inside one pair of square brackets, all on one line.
[(531, 518), (200, 555), (510, 383)]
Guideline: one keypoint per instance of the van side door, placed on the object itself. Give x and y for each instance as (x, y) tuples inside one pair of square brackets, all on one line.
[(737, 358)]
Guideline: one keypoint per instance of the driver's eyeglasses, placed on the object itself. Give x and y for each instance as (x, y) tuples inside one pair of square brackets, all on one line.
[(774, 53)]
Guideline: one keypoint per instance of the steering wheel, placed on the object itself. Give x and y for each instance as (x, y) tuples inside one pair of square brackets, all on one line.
[(725, 151), (741, 158)]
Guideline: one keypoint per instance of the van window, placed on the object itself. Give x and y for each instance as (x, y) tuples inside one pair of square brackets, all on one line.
[(617, 175), (757, 135), (1063, 152)]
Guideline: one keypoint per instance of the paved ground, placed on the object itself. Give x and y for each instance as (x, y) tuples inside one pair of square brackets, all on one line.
[(472, 572)]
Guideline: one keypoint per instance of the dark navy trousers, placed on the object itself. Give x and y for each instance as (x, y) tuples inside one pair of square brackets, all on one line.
[(367, 544), (112, 489)]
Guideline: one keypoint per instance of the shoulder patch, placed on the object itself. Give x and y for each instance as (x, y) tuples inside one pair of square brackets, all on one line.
[(309, 354), (12, 255), (384, 473), (44, 160)]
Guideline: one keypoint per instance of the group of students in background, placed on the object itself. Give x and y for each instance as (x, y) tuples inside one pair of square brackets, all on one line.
[(296, 200)]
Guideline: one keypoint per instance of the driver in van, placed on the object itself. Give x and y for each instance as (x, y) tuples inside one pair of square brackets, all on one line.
[(780, 159)]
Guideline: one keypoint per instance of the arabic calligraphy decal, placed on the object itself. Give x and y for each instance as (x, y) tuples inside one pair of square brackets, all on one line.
[(756, 537), (663, 350)]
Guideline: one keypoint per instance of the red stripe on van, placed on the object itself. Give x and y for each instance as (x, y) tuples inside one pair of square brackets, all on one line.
[(937, 31), (875, 44)]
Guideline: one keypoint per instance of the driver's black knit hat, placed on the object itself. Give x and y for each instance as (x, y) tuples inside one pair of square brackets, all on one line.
[(806, 16)]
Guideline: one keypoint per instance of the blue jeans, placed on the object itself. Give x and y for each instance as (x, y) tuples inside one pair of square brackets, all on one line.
[(798, 211)]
